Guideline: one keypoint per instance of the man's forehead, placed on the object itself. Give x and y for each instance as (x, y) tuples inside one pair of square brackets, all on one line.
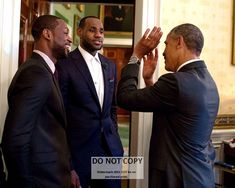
[(167, 38), (93, 22), (63, 24)]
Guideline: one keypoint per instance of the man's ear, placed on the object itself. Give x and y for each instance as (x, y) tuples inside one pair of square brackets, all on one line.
[(180, 42), (46, 33), (79, 31)]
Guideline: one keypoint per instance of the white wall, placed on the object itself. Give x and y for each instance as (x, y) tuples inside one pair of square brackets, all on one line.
[(9, 44), (147, 15), (215, 19)]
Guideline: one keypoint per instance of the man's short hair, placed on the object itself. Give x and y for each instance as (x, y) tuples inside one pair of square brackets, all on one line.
[(192, 35), (83, 20), (43, 22)]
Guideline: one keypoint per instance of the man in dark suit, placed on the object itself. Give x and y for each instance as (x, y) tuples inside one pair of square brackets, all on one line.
[(34, 140), (184, 105), (88, 83)]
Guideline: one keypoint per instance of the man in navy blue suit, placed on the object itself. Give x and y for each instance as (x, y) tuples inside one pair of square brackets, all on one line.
[(88, 84), (184, 105)]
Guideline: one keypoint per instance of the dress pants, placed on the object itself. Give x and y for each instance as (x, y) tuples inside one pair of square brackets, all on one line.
[(87, 182), (157, 179)]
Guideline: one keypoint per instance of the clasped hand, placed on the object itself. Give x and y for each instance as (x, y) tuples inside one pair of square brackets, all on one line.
[(148, 43), (144, 49)]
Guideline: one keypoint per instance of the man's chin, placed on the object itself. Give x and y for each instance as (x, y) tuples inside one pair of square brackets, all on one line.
[(66, 53), (98, 47), (68, 49), (61, 53), (62, 56)]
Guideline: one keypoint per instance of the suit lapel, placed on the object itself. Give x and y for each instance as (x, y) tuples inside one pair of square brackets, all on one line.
[(105, 68), (37, 56), (59, 93), (84, 71)]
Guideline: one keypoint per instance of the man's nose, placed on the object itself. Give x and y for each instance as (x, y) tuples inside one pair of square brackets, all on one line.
[(98, 34), (69, 39)]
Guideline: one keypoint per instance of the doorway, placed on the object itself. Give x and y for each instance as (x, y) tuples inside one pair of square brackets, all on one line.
[(118, 42)]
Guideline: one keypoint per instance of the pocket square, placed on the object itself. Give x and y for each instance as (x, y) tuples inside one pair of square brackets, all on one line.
[(111, 79)]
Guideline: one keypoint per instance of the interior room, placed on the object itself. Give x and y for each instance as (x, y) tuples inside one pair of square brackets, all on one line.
[(215, 18)]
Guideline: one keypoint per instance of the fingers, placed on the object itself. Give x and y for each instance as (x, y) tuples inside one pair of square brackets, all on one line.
[(155, 34), (148, 42), (75, 183), (146, 33), (144, 59), (151, 56), (156, 54)]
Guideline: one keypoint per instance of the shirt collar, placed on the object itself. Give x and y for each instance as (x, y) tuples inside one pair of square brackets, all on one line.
[(87, 56), (48, 61), (187, 62)]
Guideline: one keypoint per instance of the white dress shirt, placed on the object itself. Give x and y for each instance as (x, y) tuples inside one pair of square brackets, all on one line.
[(95, 68), (187, 62), (49, 62)]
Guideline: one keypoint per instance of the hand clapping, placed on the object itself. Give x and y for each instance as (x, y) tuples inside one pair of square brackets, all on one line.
[(148, 42)]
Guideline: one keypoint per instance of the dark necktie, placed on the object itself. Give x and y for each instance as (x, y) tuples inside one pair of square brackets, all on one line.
[(56, 74)]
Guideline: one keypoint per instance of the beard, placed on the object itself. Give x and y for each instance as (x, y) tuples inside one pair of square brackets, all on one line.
[(91, 48), (59, 51)]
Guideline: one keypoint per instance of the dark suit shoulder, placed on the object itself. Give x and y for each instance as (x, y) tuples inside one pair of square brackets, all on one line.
[(105, 59), (193, 65), (64, 65), (168, 83), (168, 77), (37, 62), (34, 69), (75, 54), (72, 57), (32, 77)]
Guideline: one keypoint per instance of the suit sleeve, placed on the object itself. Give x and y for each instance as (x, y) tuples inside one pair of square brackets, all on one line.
[(162, 96), (27, 95)]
